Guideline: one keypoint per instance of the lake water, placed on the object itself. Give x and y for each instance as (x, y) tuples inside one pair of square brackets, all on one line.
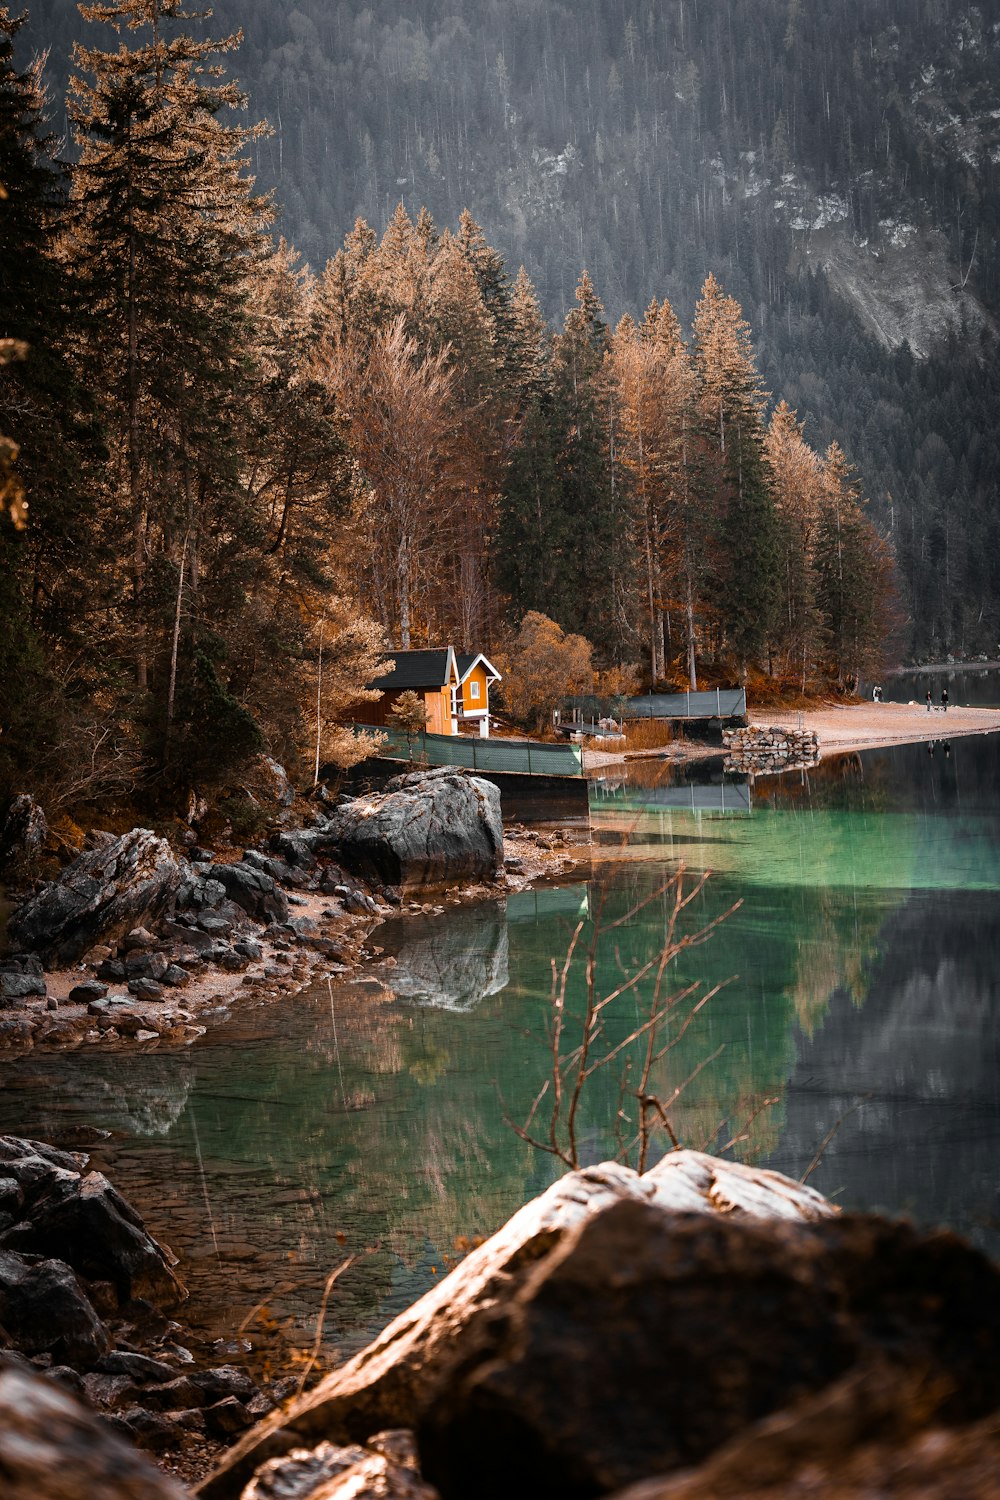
[(971, 684), (859, 984)]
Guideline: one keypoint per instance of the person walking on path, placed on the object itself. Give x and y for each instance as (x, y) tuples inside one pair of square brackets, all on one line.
[(944, 700), (928, 700)]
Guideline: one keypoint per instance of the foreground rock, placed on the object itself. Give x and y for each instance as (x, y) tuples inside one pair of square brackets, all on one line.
[(53, 1448), (83, 1286), (385, 1469), (430, 828), (391, 1383), (645, 1341), (868, 1436), (122, 884)]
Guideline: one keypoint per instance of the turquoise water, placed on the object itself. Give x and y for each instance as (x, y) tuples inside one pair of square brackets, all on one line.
[(858, 983)]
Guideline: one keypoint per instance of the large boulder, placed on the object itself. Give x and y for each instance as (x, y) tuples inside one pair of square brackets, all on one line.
[(645, 1341), (866, 1436), (430, 828), (23, 831), (54, 1448), (255, 892), (124, 883), (66, 1212), (390, 1383), (43, 1309)]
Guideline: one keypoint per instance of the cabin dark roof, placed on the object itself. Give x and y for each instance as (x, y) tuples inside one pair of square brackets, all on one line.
[(465, 661), (415, 669)]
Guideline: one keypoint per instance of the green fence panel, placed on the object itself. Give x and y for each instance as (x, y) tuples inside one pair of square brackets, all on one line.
[(482, 755)]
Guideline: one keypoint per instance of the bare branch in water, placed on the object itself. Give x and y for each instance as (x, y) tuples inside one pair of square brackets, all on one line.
[(830, 1135), (331, 1280)]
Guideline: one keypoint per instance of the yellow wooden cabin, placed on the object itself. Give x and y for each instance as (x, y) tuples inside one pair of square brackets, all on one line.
[(455, 689)]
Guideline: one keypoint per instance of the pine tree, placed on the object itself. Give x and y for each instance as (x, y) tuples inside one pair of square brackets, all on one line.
[(594, 578), (854, 589), (797, 488), (732, 400), (51, 516), (528, 540), (656, 384), (168, 236)]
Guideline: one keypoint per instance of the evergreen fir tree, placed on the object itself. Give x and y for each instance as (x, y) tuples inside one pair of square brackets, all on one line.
[(52, 529), (594, 577), (168, 236), (854, 584), (731, 400), (796, 475)]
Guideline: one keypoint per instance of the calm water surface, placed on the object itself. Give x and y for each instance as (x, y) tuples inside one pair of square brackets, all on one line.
[(860, 984)]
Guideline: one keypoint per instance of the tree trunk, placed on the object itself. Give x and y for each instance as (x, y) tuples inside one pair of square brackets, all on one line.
[(403, 580), (692, 668), (175, 642)]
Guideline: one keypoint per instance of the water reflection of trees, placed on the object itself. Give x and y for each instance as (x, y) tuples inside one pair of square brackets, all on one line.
[(377, 1114)]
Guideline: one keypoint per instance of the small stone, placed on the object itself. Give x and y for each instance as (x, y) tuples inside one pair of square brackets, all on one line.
[(144, 965), (91, 989), (146, 989), (215, 926), (112, 969), (249, 948), (139, 938), (52, 1003), (175, 976), (232, 962), (227, 1418), (147, 1036)]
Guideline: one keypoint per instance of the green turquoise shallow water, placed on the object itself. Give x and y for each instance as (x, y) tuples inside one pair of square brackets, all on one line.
[(859, 980)]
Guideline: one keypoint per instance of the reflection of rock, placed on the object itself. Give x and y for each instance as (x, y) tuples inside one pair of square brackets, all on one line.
[(454, 962), (391, 1383), (926, 1048), (145, 1098)]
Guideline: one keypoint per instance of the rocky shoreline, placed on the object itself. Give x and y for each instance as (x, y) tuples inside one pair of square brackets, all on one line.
[(702, 1330), (135, 944)]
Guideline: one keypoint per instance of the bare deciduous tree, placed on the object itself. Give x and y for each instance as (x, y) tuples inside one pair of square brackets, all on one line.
[(404, 434), (580, 1044)]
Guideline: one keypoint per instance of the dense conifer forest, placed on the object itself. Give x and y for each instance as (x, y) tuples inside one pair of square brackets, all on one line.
[(837, 167), (242, 460)]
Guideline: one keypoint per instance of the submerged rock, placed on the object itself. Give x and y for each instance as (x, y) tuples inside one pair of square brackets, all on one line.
[(429, 828), (101, 896)]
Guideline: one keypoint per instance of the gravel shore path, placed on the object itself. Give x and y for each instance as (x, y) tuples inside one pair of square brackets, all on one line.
[(864, 725)]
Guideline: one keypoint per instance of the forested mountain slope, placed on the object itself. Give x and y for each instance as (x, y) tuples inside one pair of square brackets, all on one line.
[(836, 166)]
